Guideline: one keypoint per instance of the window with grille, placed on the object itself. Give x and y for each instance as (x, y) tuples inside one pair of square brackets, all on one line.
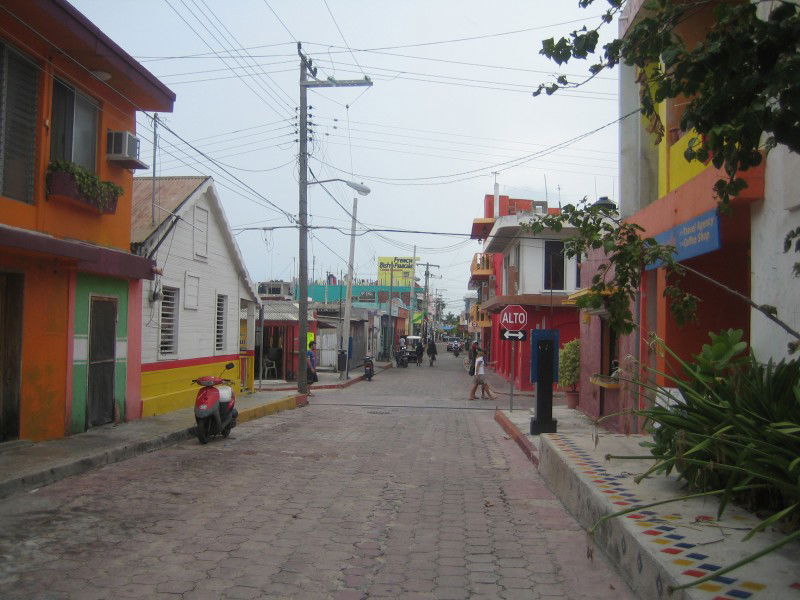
[(19, 85), (168, 332), (219, 337), (74, 127)]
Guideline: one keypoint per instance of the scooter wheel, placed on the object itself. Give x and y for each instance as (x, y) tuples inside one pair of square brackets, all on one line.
[(203, 430), (227, 431)]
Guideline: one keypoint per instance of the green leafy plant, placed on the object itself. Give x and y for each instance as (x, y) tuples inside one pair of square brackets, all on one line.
[(102, 194), (569, 364), (751, 43), (759, 54), (733, 432), (626, 254)]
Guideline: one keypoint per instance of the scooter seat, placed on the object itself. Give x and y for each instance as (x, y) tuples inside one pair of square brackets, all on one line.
[(225, 393)]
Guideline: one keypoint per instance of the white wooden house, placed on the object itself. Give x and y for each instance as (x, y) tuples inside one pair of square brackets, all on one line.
[(199, 312)]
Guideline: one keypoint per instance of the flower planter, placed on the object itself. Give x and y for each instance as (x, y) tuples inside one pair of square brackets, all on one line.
[(605, 381), (62, 187), (571, 398)]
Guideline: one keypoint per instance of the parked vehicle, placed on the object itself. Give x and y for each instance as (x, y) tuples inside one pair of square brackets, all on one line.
[(369, 367), (214, 410), (403, 360), (414, 343)]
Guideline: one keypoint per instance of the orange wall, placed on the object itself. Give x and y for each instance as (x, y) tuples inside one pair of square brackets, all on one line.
[(115, 114), (43, 373)]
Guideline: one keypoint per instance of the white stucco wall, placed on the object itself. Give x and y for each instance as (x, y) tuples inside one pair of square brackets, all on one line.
[(772, 279), (531, 274)]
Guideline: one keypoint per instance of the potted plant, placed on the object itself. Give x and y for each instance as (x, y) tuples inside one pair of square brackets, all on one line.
[(69, 182), (569, 370)]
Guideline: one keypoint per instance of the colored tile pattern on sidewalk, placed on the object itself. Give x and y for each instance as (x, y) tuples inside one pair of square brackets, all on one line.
[(666, 530)]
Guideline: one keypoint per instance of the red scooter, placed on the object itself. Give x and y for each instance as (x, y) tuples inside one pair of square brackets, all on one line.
[(214, 406)]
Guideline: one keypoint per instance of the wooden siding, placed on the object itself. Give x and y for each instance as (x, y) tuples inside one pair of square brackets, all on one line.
[(217, 274)]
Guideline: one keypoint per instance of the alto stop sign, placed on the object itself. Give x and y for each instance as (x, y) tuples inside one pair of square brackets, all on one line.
[(513, 317)]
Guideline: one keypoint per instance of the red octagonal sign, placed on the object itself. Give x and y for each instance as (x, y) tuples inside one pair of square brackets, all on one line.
[(513, 317)]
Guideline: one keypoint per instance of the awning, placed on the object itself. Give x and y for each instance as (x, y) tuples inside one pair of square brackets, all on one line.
[(481, 228), (88, 257), (498, 303)]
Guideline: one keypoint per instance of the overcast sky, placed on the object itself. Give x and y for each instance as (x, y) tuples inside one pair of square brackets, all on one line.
[(440, 105)]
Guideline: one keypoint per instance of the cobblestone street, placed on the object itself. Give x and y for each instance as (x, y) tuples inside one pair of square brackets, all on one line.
[(410, 492)]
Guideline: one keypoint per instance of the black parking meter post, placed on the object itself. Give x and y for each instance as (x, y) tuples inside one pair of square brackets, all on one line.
[(543, 422)]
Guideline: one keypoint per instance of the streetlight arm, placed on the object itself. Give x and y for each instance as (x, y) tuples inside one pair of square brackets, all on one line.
[(362, 189)]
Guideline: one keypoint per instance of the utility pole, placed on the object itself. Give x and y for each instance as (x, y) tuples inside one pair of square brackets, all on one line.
[(306, 68), (413, 286), (427, 301), (391, 293), (155, 144), (348, 307)]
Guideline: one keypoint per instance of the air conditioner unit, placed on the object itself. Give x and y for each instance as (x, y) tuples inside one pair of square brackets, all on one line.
[(122, 148)]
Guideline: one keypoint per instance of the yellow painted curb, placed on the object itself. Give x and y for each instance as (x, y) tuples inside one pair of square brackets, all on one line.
[(256, 412)]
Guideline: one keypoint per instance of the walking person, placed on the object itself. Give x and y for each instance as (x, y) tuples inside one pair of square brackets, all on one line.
[(419, 350), (311, 365), (479, 378), (471, 355), (432, 351)]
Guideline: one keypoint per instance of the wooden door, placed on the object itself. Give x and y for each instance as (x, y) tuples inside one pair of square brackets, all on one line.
[(102, 356), (11, 286)]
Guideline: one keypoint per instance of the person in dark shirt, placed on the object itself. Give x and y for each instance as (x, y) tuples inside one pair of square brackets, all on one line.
[(311, 366), (432, 351)]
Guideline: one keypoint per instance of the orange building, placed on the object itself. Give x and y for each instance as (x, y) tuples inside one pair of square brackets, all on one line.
[(69, 336)]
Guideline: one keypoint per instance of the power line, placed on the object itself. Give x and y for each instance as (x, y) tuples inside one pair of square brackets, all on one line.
[(220, 178), (458, 135), (501, 166), (250, 59), (392, 135), (528, 86), (291, 35), (218, 54), (339, 29), (381, 48), (612, 162)]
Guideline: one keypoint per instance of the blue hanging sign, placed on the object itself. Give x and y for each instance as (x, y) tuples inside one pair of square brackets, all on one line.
[(694, 237)]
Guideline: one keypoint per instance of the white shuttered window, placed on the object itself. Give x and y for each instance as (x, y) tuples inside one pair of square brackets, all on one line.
[(222, 309), (168, 332)]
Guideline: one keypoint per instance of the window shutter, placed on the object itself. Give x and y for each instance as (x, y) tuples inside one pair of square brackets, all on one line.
[(221, 315), (20, 86), (168, 343), (200, 231)]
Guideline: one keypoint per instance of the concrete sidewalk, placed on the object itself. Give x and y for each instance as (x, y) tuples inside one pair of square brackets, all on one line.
[(26, 465), (662, 546)]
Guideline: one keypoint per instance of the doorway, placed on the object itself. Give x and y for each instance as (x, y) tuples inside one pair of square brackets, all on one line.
[(11, 286), (102, 357)]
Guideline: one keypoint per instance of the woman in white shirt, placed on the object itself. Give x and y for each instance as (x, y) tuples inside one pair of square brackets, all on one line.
[(480, 378)]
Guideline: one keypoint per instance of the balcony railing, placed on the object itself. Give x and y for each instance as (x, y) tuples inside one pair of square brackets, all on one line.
[(479, 317), (482, 266)]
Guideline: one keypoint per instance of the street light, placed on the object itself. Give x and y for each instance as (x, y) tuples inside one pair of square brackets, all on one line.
[(362, 190), (359, 187)]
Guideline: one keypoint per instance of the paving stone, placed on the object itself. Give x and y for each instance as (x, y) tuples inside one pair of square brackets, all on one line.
[(339, 502)]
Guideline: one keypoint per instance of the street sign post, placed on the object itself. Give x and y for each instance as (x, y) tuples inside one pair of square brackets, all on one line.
[(517, 336), (513, 317), (513, 320)]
